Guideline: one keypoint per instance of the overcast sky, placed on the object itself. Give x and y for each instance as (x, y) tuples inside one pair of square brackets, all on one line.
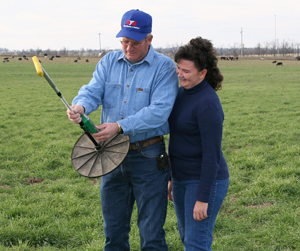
[(76, 24)]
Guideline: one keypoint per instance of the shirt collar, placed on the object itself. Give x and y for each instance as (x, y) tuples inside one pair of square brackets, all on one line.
[(149, 58)]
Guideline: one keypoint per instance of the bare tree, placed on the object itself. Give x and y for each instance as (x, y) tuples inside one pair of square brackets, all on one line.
[(272, 48), (234, 50), (172, 49), (38, 51), (266, 49), (297, 49), (63, 51), (284, 48), (258, 49)]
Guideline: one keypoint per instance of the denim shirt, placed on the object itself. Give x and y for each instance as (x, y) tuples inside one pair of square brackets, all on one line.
[(138, 96)]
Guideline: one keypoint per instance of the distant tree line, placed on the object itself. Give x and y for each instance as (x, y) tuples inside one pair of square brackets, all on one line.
[(283, 49)]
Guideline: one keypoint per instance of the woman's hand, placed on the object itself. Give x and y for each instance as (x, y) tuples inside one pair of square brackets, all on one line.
[(170, 195), (200, 211)]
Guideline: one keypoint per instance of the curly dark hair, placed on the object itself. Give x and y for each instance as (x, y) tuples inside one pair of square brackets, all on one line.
[(204, 56)]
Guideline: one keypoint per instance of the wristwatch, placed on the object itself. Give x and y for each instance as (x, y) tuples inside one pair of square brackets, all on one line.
[(120, 128)]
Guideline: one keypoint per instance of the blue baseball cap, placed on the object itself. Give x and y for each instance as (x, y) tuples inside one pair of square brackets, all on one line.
[(135, 25)]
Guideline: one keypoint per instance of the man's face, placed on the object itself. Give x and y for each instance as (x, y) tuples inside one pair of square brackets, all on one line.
[(135, 51)]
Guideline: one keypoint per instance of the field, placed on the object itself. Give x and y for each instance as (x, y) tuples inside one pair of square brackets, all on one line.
[(46, 205)]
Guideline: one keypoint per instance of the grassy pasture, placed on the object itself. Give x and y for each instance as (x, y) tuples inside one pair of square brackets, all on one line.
[(46, 205)]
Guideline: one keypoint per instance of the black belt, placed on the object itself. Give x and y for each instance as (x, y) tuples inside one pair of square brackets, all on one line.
[(145, 143)]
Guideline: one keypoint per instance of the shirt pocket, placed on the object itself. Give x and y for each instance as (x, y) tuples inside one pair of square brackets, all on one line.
[(141, 98), (111, 95)]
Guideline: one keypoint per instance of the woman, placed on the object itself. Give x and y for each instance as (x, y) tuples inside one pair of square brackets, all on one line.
[(200, 177)]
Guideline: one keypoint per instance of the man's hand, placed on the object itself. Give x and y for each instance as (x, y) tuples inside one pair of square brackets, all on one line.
[(200, 211), (75, 118), (106, 131)]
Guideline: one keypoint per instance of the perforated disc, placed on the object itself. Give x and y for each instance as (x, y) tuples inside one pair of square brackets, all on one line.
[(90, 162)]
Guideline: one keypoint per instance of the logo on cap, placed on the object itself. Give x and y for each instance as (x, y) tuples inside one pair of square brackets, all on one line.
[(131, 24)]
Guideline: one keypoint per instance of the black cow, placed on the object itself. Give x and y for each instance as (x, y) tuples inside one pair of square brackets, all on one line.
[(274, 62), (223, 58), (279, 63), (75, 61), (87, 60)]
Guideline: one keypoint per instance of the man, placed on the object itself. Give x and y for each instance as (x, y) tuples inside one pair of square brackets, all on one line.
[(136, 87)]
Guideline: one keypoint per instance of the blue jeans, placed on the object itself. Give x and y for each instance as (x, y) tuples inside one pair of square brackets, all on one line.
[(136, 179), (196, 235)]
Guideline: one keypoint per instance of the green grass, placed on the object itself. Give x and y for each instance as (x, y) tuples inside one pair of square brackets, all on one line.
[(46, 205)]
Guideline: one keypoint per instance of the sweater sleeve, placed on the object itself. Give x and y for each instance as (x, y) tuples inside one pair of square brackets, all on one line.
[(210, 123)]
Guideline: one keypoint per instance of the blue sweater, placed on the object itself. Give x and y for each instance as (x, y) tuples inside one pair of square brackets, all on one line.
[(196, 125)]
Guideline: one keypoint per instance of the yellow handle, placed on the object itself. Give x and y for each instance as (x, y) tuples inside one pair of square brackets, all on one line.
[(38, 66)]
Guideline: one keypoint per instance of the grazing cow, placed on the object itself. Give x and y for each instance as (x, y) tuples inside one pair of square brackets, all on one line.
[(75, 61), (262, 58), (20, 58), (274, 62), (279, 63), (223, 58), (298, 58), (87, 60), (51, 59), (58, 56), (5, 58)]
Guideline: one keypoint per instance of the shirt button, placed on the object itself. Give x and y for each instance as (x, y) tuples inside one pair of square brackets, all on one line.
[(124, 102), (131, 70), (127, 85)]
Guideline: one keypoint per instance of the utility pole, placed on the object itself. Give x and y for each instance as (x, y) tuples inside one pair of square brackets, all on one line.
[(242, 46), (275, 37), (276, 42)]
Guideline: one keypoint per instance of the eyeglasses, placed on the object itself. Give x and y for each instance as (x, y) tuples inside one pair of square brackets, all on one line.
[(133, 44)]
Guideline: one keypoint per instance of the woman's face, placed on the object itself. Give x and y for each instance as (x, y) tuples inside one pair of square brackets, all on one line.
[(188, 74)]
